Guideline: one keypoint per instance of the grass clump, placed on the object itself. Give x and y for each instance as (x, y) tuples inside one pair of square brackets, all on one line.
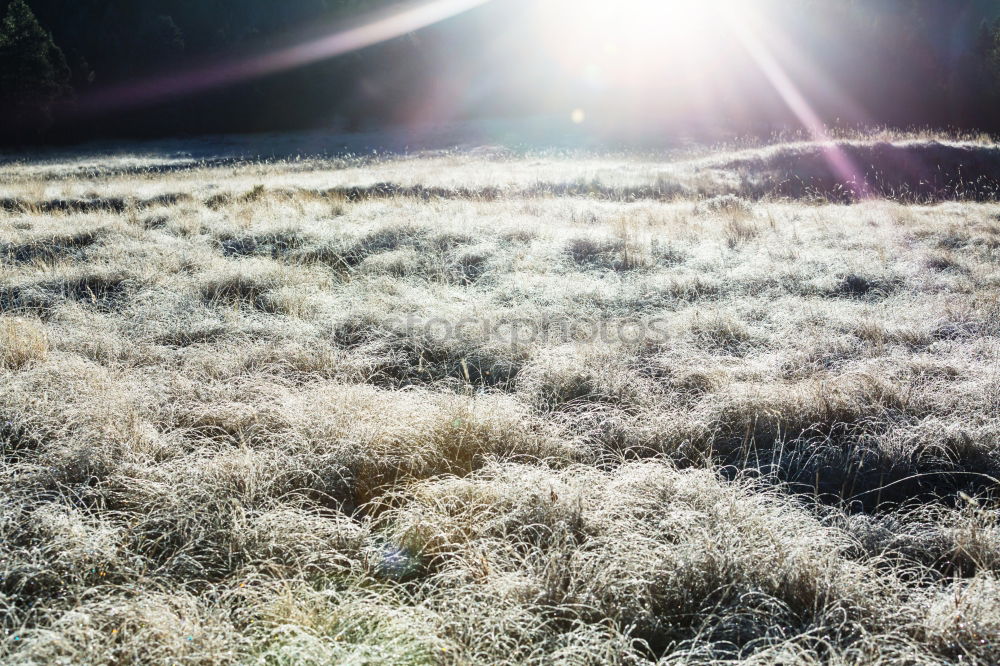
[(22, 341)]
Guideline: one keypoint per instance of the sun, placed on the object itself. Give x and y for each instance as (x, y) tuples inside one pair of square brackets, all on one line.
[(604, 28), (609, 58)]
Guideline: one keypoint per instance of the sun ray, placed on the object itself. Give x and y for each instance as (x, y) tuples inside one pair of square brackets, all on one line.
[(797, 103), (371, 30)]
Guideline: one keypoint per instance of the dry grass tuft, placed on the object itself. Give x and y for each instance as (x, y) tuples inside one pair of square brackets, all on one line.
[(21, 342)]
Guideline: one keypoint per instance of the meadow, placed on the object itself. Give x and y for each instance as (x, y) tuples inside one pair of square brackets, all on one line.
[(495, 407)]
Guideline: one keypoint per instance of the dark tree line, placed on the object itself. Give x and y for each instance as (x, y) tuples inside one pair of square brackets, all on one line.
[(55, 53), (905, 62), (912, 62)]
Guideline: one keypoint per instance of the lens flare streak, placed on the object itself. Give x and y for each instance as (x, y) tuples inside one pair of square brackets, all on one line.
[(839, 161), (375, 30)]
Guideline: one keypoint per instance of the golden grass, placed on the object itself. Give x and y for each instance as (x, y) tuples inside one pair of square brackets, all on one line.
[(21, 342)]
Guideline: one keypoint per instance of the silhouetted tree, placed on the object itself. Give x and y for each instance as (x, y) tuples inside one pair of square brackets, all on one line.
[(33, 71), (164, 38), (988, 51)]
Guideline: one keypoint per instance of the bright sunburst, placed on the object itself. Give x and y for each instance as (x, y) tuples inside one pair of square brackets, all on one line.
[(619, 33), (644, 53)]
